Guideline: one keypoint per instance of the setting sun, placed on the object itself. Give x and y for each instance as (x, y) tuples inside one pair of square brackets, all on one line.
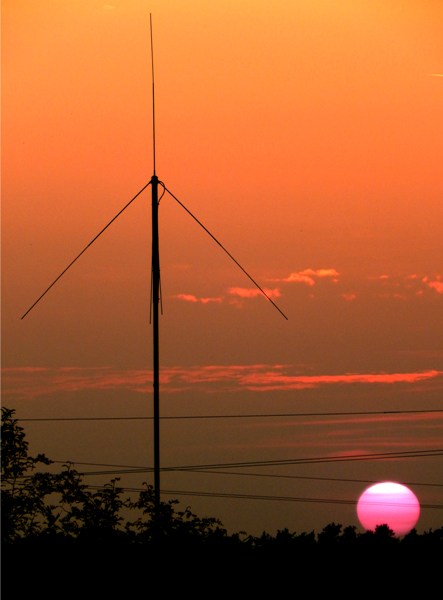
[(391, 504)]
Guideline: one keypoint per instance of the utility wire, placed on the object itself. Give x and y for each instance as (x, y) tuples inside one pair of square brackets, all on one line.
[(137, 471), (265, 497), (313, 460), (279, 498), (84, 250), (238, 416), (127, 470), (273, 463)]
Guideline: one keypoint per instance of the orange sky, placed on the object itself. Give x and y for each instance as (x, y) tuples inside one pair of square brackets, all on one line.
[(307, 137)]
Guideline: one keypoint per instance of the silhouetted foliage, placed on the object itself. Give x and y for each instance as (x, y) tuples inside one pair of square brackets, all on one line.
[(54, 518), (24, 509)]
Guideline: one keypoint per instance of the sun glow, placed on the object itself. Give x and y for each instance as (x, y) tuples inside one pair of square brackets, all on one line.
[(388, 503)]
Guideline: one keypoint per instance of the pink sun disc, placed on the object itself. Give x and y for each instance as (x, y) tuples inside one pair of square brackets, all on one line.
[(391, 504)]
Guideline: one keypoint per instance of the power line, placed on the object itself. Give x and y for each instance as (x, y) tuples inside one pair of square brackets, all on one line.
[(266, 497), (137, 471), (238, 416), (130, 469), (276, 498), (207, 469), (313, 460)]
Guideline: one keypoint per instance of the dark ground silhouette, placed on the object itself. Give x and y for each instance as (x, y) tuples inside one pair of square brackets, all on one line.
[(61, 538)]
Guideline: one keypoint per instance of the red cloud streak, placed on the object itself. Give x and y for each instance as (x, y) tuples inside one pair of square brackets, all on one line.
[(29, 382)]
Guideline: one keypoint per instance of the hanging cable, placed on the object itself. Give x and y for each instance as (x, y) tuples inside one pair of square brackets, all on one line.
[(275, 463), (84, 249), (225, 250), (242, 416)]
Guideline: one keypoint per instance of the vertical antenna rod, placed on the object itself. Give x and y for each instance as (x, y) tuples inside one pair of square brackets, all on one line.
[(153, 94), (155, 302)]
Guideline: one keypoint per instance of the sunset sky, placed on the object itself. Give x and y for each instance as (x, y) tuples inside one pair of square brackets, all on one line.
[(307, 137)]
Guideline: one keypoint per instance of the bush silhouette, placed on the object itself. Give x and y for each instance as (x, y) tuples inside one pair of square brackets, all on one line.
[(52, 519)]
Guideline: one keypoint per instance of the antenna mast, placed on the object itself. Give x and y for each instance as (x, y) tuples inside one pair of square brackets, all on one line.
[(155, 279), (155, 299)]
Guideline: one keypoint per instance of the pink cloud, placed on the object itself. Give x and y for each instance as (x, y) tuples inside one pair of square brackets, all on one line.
[(309, 276), (365, 419), (195, 299), (254, 292), (187, 297), (436, 285), (280, 381), (349, 296), (209, 300), (29, 383), (402, 287)]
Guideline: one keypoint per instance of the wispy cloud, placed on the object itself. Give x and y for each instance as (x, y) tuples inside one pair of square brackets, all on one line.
[(310, 276), (401, 287), (342, 432), (253, 292), (201, 300), (407, 286), (28, 383), (435, 284), (237, 292), (281, 381), (349, 296)]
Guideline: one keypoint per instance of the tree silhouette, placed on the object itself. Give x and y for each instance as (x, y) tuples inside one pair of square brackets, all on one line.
[(53, 517), (24, 510)]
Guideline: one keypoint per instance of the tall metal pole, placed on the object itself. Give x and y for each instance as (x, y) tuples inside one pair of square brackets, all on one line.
[(155, 312)]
